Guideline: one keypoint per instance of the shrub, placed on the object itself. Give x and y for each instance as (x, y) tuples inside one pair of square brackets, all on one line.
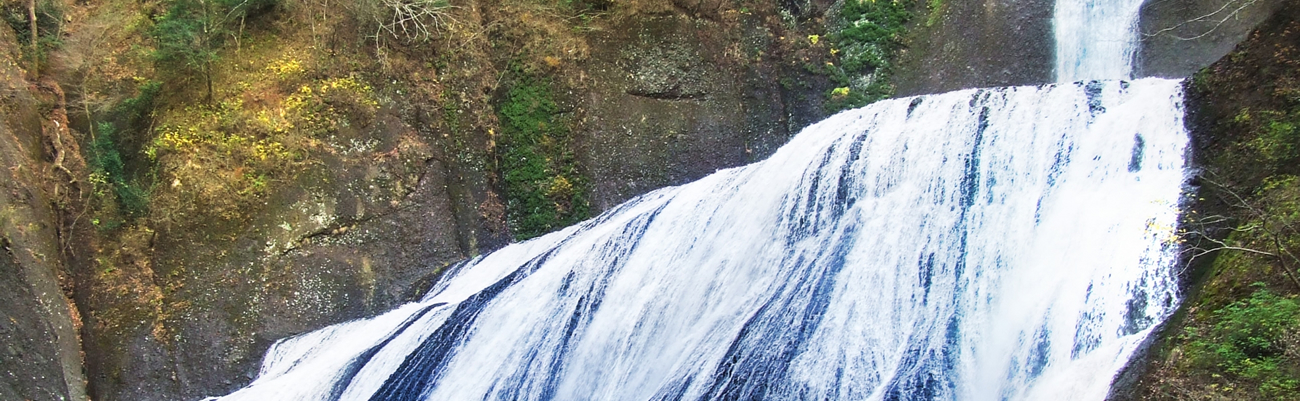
[(190, 34), (112, 187), (1249, 339), (116, 189)]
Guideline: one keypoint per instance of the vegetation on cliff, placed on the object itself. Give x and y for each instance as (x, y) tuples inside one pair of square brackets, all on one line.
[(1238, 334), (544, 187), (866, 36), (38, 24)]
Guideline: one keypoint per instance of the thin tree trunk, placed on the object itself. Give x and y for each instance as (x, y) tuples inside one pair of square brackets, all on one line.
[(208, 75), (31, 16), (240, 35)]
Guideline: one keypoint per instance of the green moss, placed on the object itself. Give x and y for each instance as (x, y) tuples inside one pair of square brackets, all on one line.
[(934, 10), (1277, 137), (544, 189), (867, 38)]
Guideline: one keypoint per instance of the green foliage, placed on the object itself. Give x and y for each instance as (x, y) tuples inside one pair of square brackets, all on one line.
[(868, 36), (49, 21), (935, 10), (855, 90), (1277, 137), (137, 111), (189, 36), (1248, 339), (114, 186), (543, 188)]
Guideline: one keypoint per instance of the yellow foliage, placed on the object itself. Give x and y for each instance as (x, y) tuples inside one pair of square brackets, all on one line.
[(560, 187), (230, 154), (285, 67)]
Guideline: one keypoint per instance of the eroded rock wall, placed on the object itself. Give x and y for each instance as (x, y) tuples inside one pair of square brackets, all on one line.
[(40, 352), (181, 299)]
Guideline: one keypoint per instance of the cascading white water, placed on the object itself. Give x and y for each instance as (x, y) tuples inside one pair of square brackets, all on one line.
[(1095, 39), (998, 244)]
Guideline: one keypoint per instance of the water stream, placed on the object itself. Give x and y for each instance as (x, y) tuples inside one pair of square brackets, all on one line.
[(1095, 39)]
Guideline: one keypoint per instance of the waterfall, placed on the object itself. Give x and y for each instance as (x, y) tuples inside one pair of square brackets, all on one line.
[(1095, 39), (992, 244)]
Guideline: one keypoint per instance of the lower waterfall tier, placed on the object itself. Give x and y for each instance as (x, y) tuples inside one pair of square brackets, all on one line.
[(993, 244)]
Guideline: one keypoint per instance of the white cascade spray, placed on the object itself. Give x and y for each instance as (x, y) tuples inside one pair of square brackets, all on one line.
[(1095, 39), (999, 244)]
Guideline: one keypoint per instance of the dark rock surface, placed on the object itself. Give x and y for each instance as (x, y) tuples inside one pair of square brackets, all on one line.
[(1180, 37), (201, 301), (1010, 42), (28, 360), (975, 44), (40, 354), (675, 98)]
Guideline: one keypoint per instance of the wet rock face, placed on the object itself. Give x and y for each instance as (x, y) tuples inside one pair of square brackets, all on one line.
[(1180, 37), (352, 238), (666, 71), (674, 98), (28, 368), (972, 44), (1010, 42)]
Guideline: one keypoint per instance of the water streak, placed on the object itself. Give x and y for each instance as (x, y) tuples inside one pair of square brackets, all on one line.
[(995, 244), (1095, 39)]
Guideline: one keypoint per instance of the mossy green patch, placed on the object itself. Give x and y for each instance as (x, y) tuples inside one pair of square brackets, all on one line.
[(866, 39), (934, 10), (544, 187)]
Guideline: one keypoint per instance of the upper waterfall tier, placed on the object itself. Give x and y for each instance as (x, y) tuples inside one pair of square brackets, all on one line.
[(991, 244), (1095, 39)]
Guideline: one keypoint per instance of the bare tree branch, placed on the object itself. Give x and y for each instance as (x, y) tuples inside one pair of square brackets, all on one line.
[(1263, 223), (415, 19), (1205, 18)]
